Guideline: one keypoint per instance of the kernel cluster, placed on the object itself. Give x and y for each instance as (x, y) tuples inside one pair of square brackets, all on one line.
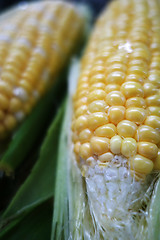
[(117, 102)]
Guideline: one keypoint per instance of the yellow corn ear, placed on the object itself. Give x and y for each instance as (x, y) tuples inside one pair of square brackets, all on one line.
[(35, 42), (117, 101)]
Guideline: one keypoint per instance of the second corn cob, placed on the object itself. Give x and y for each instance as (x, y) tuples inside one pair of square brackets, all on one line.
[(116, 118), (34, 45)]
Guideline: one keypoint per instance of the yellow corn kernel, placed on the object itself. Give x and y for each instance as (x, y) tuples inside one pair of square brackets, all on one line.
[(154, 111), (117, 58), (96, 95), (80, 102), (97, 78), (117, 67), (82, 86), (154, 64), (82, 93), (115, 144), (126, 128), (98, 106), (153, 100), (115, 98), (112, 87), (26, 85), (81, 123), (116, 114), (105, 53), (83, 79), (85, 135), (106, 157), (136, 102), (97, 119), (157, 161), (96, 86), (129, 147), (9, 122), (148, 150), (15, 105), (81, 111), (154, 77), (141, 164), (77, 147), (115, 78), (107, 130), (138, 62), (140, 53), (134, 78), (149, 89), (85, 151), (137, 70), (147, 134), (132, 89), (4, 102), (136, 115), (5, 88), (153, 121), (75, 137), (99, 145), (97, 70)]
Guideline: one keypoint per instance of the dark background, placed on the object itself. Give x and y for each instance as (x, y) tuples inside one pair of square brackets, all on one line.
[(96, 5)]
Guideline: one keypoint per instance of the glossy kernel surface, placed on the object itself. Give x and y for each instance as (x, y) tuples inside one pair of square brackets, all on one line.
[(119, 85)]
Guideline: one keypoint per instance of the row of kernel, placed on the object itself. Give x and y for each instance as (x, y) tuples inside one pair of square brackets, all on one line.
[(18, 55), (98, 101), (56, 58), (104, 149), (8, 121), (99, 123), (30, 76)]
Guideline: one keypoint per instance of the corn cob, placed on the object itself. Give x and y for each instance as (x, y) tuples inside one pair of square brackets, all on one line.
[(116, 116), (34, 46)]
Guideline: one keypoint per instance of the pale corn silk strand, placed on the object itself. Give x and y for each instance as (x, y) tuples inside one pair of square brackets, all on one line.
[(34, 46), (116, 120)]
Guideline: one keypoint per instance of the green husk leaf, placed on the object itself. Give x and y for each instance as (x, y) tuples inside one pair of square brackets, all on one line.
[(61, 218), (24, 139), (153, 218), (34, 225), (61, 201), (68, 198), (60, 225), (39, 185)]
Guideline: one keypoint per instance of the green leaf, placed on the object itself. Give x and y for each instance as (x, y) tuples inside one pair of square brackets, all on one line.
[(34, 225), (32, 128), (61, 201), (61, 218), (153, 227), (39, 185)]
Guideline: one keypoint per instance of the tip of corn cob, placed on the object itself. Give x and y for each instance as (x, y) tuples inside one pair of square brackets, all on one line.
[(115, 198)]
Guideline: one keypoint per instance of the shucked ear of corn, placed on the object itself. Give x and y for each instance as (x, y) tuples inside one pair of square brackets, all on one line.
[(35, 43), (35, 46), (114, 158)]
